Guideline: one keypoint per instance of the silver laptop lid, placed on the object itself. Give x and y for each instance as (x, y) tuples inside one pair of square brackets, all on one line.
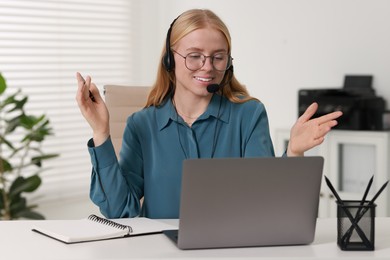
[(249, 201)]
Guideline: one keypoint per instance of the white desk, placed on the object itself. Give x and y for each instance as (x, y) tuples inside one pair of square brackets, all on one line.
[(17, 241)]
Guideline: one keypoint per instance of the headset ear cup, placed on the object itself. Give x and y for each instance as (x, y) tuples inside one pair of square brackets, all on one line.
[(168, 61)]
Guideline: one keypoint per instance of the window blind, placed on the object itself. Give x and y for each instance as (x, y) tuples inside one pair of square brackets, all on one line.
[(42, 46)]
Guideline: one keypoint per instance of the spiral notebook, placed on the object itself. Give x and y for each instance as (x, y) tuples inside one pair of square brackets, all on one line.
[(96, 228)]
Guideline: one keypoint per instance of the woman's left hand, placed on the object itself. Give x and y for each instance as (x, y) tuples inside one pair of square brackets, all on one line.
[(308, 133)]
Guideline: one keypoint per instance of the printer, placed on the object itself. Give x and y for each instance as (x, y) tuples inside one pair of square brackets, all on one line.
[(362, 109)]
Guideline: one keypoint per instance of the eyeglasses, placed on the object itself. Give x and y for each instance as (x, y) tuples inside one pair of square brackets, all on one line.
[(195, 60)]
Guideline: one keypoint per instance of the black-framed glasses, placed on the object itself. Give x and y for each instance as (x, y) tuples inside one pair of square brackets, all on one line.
[(195, 60)]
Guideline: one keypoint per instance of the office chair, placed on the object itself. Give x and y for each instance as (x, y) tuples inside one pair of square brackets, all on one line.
[(121, 102)]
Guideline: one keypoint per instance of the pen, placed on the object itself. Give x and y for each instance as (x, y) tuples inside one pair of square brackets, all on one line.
[(90, 93), (333, 191), (371, 202), (378, 193), (367, 190), (91, 96)]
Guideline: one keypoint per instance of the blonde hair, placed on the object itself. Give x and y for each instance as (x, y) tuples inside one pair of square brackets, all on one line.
[(186, 23)]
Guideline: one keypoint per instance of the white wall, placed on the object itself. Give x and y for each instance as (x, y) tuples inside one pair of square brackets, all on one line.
[(280, 46)]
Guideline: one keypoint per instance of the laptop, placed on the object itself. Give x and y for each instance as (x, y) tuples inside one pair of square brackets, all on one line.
[(243, 202)]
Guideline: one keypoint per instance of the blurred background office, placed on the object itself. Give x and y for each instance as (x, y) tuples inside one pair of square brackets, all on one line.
[(279, 47)]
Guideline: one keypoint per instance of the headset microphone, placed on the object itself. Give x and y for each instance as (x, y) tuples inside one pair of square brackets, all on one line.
[(213, 88)]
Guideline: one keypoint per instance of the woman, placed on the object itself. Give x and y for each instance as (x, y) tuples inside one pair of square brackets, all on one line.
[(196, 109)]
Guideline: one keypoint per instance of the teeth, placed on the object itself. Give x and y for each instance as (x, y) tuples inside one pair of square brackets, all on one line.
[(203, 79)]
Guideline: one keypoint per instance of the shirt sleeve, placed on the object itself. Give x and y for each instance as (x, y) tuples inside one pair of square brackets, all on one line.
[(258, 141), (110, 190)]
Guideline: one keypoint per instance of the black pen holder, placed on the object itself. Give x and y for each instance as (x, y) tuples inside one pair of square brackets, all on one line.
[(356, 226)]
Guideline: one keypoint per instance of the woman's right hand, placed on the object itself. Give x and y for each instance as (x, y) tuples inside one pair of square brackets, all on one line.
[(93, 109)]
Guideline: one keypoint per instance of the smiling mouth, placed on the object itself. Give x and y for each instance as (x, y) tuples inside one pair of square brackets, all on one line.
[(203, 79)]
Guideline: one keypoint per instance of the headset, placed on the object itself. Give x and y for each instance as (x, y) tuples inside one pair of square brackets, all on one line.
[(168, 60)]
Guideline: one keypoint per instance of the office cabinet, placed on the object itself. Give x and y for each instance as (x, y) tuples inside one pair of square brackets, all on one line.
[(351, 158)]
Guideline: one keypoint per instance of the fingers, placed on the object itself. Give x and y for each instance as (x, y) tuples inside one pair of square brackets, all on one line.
[(79, 78), (84, 94), (318, 141), (81, 85), (323, 130), (310, 111), (329, 117)]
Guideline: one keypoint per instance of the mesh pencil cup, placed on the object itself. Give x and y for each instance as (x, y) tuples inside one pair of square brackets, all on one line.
[(356, 225)]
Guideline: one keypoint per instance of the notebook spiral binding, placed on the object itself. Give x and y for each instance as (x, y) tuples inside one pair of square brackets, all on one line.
[(111, 223)]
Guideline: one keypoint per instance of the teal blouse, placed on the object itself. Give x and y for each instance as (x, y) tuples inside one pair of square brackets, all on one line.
[(156, 141)]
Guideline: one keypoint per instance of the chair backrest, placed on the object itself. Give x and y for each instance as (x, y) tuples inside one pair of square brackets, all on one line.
[(121, 102)]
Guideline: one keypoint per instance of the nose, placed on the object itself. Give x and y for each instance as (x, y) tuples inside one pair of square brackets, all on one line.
[(208, 63)]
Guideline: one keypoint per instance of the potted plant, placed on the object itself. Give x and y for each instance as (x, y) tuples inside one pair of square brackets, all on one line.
[(21, 156)]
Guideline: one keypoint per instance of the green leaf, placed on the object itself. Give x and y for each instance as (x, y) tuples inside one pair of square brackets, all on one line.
[(17, 204), (5, 165), (5, 141), (38, 159), (19, 104), (32, 183), (10, 100), (12, 124), (34, 136), (29, 214), (22, 184), (27, 122), (19, 209), (14, 186), (3, 84)]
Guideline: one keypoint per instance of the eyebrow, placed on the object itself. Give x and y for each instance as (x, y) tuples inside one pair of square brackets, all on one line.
[(201, 50)]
